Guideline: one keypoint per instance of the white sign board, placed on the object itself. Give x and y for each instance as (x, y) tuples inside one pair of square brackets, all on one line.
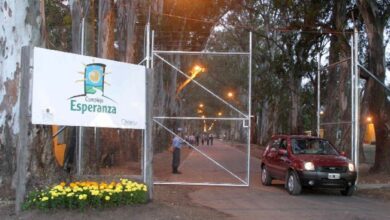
[(75, 90)]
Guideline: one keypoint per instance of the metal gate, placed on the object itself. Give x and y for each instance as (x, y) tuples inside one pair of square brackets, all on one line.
[(199, 95)]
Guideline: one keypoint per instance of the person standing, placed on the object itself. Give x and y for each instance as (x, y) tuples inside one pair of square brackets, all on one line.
[(197, 139), (177, 144), (211, 139)]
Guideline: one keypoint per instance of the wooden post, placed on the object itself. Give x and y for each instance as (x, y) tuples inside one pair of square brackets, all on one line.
[(148, 149), (24, 143)]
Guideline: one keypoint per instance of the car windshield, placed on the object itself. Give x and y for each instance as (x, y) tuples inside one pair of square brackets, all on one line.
[(312, 146)]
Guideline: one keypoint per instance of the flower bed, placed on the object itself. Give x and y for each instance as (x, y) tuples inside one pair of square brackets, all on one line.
[(78, 195)]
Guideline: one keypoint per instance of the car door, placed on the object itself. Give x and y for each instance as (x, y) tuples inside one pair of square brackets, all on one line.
[(271, 156), (282, 161)]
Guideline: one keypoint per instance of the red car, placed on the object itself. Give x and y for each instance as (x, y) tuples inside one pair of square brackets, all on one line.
[(304, 161)]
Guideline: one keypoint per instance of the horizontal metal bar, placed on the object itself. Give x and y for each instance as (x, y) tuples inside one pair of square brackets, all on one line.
[(336, 63), (199, 184), (97, 176), (375, 78), (335, 123), (200, 118), (199, 52)]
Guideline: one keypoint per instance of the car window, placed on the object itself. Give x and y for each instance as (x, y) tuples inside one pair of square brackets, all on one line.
[(283, 144), (312, 146)]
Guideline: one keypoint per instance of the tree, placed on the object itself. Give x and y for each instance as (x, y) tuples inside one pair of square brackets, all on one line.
[(21, 29), (376, 15), (336, 79)]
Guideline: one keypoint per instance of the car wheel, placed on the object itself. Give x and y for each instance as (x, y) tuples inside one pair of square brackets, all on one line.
[(265, 177), (348, 191), (293, 185)]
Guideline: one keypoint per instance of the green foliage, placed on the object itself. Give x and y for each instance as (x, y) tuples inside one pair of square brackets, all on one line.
[(58, 25)]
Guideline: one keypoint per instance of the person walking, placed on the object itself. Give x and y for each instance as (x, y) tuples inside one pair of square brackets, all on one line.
[(177, 144), (197, 139)]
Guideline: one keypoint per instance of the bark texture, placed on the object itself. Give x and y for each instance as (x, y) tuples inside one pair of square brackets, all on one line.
[(32, 156), (338, 90), (375, 18)]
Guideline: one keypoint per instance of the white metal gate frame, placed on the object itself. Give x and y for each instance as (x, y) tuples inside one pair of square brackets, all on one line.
[(355, 98), (244, 118)]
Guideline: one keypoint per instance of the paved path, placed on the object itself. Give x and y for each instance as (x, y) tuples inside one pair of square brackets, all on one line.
[(260, 202), (229, 165)]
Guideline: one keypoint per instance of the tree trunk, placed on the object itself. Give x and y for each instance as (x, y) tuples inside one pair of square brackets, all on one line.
[(22, 27), (337, 94), (379, 106), (76, 12), (18, 29), (106, 35), (127, 38), (295, 91)]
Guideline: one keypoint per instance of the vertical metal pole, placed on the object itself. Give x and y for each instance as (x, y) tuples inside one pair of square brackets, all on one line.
[(352, 99), (249, 108), (146, 134), (318, 94), (148, 45), (152, 51), (357, 101), (148, 150), (81, 130)]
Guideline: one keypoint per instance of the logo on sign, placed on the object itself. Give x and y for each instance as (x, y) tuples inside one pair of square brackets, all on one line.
[(93, 97)]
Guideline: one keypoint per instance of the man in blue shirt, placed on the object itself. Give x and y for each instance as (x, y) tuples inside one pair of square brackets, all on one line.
[(177, 143)]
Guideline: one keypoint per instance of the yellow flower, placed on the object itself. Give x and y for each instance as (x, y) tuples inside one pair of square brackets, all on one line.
[(70, 194), (107, 198), (44, 198), (83, 197), (94, 192)]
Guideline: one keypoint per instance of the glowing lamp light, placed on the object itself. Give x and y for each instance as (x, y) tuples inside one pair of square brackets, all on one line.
[(197, 69), (369, 119)]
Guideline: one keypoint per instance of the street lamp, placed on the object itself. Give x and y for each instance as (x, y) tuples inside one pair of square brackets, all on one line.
[(219, 113), (230, 94), (194, 72)]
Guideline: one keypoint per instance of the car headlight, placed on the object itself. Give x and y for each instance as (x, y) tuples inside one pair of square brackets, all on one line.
[(351, 167), (309, 166)]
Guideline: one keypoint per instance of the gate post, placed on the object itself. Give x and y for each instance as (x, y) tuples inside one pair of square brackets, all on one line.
[(148, 146), (24, 143)]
